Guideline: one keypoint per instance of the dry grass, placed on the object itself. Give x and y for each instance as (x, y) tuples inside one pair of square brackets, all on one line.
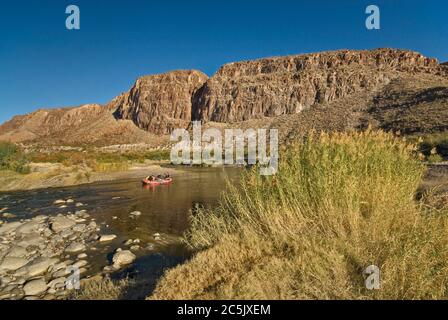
[(12, 158), (99, 162), (100, 289), (110, 166), (339, 203)]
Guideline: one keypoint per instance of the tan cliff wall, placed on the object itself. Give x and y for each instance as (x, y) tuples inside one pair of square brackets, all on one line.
[(249, 90), (161, 103), (287, 85)]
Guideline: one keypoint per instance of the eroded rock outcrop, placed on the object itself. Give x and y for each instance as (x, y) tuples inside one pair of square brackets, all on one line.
[(287, 85), (161, 103), (249, 90), (90, 124)]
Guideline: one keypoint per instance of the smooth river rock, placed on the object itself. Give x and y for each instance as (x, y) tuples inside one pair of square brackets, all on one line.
[(82, 256), (8, 227), (31, 239), (61, 223), (80, 264), (123, 258), (39, 266), (80, 228), (12, 263), (17, 252), (29, 227), (75, 247), (107, 237), (57, 283), (35, 287), (8, 215)]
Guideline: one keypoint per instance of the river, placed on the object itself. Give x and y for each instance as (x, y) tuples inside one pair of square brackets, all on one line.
[(165, 210)]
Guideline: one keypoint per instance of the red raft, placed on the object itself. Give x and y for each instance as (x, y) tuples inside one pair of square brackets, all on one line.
[(157, 182)]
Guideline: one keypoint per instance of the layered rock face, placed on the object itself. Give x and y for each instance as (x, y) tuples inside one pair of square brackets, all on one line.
[(45, 123), (87, 124), (260, 90), (287, 85), (161, 103), (155, 105)]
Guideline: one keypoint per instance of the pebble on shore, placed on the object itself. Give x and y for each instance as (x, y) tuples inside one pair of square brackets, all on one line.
[(136, 213), (37, 254), (107, 237), (122, 258), (31, 250), (35, 287)]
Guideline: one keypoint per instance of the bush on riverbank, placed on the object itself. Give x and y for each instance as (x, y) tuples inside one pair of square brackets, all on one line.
[(100, 289), (434, 146), (12, 158), (99, 162), (338, 204)]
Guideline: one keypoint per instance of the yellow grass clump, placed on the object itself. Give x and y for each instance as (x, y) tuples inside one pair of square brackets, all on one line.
[(100, 289), (339, 203)]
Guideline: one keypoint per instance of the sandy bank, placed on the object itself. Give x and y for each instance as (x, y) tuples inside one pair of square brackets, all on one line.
[(54, 175)]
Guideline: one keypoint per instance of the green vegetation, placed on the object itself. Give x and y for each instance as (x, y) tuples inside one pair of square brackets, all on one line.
[(99, 162), (433, 146), (338, 204), (435, 158), (12, 158)]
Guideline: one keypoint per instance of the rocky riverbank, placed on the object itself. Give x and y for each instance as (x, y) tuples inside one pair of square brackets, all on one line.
[(40, 257)]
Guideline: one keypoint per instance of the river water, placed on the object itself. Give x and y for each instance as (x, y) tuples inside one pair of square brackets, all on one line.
[(165, 211)]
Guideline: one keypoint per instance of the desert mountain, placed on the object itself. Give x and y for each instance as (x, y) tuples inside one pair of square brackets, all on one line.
[(396, 90), (287, 85), (161, 103), (84, 125)]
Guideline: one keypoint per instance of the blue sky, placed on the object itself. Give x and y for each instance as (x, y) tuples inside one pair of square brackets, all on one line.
[(42, 64)]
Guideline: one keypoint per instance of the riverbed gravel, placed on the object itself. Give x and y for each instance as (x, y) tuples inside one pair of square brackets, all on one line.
[(39, 256)]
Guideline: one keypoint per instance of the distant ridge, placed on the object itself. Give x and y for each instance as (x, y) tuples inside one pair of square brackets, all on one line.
[(333, 90)]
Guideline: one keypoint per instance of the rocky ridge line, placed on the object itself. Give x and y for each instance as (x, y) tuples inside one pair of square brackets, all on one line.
[(240, 91)]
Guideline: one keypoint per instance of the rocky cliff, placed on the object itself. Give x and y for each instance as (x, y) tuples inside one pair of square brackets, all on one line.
[(287, 85), (87, 124), (161, 103), (154, 106), (330, 90)]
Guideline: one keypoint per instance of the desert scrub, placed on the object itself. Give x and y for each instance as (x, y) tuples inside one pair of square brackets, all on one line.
[(12, 158), (429, 143), (67, 158), (110, 166), (153, 155), (99, 161), (435, 158), (338, 204), (100, 289)]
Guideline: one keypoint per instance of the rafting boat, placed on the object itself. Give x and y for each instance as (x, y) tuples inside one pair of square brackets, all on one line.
[(157, 182)]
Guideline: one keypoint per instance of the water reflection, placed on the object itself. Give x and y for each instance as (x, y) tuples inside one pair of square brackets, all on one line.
[(164, 209)]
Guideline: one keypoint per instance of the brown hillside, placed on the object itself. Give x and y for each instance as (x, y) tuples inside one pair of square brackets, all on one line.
[(395, 90)]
